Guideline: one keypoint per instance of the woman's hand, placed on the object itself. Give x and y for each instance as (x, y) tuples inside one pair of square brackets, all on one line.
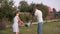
[(21, 23)]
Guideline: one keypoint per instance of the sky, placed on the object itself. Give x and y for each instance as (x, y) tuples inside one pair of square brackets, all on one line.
[(51, 3)]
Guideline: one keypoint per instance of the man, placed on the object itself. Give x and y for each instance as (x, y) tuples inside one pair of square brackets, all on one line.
[(38, 15)]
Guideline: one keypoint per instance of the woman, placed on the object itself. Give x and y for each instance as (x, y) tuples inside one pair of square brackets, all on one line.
[(15, 24)]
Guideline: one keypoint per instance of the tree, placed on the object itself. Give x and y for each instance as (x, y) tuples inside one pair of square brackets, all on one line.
[(6, 12), (23, 6), (6, 9)]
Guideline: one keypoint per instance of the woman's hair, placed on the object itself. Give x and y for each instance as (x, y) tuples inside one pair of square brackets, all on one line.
[(16, 12)]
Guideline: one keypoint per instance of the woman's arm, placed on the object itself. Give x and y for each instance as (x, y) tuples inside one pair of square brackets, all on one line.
[(19, 21)]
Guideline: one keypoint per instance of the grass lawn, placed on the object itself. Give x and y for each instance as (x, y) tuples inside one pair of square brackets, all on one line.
[(48, 28)]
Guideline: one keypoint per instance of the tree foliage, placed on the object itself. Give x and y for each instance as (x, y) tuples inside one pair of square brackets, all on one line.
[(24, 7), (6, 9)]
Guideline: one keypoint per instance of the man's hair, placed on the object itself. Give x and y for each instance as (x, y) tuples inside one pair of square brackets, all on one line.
[(35, 7)]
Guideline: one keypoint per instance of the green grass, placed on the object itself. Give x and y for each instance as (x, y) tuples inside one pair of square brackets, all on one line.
[(48, 28)]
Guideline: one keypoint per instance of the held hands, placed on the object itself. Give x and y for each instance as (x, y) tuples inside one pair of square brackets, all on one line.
[(21, 23)]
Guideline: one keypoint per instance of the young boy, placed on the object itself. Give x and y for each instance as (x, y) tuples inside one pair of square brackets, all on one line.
[(28, 24)]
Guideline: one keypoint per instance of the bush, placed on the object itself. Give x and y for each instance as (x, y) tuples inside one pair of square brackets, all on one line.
[(2, 25), (25, 17)]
